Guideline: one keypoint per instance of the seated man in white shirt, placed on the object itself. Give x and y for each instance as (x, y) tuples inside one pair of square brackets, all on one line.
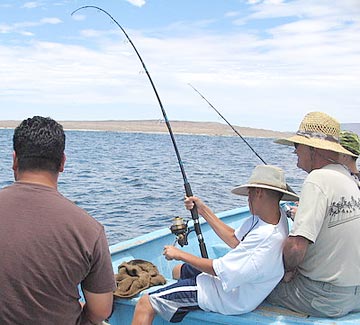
[(240, 280)]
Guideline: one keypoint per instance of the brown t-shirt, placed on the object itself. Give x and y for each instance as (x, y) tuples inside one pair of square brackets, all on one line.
[(48, 246)]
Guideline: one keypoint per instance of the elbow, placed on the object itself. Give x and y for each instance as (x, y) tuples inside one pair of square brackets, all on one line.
[(105, 312), (99, 315), (234, 242), (98, 306), (291, 251), (294, 251)]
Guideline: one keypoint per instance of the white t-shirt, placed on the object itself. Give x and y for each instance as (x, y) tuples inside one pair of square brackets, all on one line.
[(247, 273), (329, 216)]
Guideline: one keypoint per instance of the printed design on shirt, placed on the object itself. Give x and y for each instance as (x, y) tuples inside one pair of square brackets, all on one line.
[(344, 211)]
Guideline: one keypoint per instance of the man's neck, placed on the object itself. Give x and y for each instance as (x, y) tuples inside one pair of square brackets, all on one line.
[(352, 166), (38, 177), (270, 213), (323, 158)]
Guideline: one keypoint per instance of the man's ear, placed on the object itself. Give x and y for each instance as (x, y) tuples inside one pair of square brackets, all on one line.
[(62, 164), (15, 162)]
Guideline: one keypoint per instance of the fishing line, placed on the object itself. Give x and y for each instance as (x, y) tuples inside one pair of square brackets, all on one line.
[(188, 191), (236, 131), (253, 150)]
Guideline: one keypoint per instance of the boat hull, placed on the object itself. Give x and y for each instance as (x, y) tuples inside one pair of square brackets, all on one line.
[(150, 246)]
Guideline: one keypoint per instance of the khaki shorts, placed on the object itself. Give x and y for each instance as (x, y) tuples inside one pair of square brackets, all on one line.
[(315, 298)]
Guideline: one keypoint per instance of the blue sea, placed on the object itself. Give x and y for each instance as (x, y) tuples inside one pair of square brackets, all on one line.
[(132, 184)]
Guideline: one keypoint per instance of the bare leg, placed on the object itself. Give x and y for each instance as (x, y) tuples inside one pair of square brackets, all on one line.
[(176, 272), (144, 313)]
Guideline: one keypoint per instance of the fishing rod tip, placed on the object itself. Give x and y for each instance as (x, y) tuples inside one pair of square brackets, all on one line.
[(85, 7), (76, 10)]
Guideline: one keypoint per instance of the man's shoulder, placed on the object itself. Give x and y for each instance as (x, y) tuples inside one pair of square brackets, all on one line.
[(328, 173), (79, 214)]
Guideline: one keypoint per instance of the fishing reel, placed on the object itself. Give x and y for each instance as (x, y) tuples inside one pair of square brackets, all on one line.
[(180, 229), (288, 207)]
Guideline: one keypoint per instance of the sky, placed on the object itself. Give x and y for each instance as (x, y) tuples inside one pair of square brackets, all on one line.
[(261, 63)]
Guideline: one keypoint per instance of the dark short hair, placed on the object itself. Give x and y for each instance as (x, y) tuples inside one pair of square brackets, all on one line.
[(39, 144)]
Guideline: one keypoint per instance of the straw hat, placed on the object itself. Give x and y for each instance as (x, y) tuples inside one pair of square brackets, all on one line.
[(350, 141), (318, 130), (268, 177)]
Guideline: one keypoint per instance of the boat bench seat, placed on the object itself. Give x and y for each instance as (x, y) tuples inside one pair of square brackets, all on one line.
[(263, 312)]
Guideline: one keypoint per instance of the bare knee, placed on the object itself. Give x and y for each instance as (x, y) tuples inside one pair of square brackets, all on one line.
[(144, 313), (176, 272), (144, 306)]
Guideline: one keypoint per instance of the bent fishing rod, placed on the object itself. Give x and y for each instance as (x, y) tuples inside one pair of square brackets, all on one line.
[(188, 191), (236, 131)]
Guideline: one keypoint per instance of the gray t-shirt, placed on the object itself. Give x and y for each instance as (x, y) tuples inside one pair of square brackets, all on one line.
[(329, 216), (48, 247)]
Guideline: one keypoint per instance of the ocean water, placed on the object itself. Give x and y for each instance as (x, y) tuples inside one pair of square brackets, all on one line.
[(132, 184)]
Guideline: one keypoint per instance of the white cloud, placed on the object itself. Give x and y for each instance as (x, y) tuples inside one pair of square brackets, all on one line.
[(4, 28), (20, 26), (137, 3), (251, 2), (50, 20), (31, 4), (28, 34), (90, 33), (305, 8), (232, 14), (78, 17)]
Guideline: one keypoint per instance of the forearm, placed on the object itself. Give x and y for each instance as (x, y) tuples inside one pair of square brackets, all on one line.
[(291, 260), (225, 232), (202, 264), (91, 317), (294, 251)]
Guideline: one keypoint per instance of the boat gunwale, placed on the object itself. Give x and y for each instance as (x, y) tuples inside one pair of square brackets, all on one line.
[(145, 238)]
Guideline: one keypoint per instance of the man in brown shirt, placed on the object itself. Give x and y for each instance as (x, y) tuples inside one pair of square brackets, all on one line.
[(49, 246)]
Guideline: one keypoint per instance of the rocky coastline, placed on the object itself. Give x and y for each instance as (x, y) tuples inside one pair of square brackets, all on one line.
[(159, 126)]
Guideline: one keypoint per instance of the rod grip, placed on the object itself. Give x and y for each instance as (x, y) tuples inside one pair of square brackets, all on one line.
[(195, 217)]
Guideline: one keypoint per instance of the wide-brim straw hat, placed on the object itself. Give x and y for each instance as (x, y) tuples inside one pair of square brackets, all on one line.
[(318, 130), (267, 177)]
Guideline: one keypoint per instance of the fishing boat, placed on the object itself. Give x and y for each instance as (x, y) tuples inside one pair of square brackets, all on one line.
[(149, 247)]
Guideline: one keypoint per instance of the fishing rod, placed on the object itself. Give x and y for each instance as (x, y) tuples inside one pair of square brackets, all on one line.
[(236, 131), (253, 150), (188, 191)]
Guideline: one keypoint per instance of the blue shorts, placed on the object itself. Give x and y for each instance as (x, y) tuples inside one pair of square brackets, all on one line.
[(174, 301), (187, 271)]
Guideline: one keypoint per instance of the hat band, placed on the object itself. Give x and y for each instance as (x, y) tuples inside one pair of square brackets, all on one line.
[(280, 186), (316, 135)]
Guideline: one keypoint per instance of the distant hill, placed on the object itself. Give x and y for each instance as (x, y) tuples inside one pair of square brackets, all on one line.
[(159, 126), (355, 127), (180, 127)]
